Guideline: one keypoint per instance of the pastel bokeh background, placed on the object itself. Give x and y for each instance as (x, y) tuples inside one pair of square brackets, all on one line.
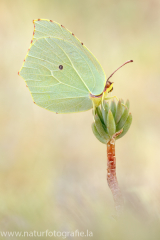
[(52, 168)]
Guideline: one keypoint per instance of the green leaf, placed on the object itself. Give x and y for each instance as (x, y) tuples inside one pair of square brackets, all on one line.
[(122, 101), (113, 108), (127, 104), (97, 135), (60, 71), (119, 111), (122, 120), (105, 109), (123, 105), (99, 112), (100, 127), (126, 126), (111, 126)]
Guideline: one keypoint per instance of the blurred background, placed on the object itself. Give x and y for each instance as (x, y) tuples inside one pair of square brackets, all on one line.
[(52, 168)]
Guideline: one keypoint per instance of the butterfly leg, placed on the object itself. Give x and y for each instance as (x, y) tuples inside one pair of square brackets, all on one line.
[(103, 98), (108, 98)]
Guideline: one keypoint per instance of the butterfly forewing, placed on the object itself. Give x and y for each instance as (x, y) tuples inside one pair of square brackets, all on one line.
[(59, 71)]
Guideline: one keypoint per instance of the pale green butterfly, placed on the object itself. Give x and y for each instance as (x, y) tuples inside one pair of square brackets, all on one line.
[(61, 73)]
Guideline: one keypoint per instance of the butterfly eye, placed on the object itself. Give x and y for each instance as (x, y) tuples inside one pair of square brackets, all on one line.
[(108, 84), (60, 67), (111, 90)]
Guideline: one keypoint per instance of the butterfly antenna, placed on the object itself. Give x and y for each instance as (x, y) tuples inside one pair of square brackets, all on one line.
[(119, 68)]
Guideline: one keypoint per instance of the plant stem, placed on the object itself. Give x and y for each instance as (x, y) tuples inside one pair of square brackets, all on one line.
[(111, 177)]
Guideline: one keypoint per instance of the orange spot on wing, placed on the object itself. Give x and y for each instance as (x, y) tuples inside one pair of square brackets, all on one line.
[(39, 19), (73, 34), (18, 73), (82, 43), (62, 26), (31, 41), (51, 21)]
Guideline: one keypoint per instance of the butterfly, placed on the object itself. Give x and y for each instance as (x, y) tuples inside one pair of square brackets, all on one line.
[(61, 73)]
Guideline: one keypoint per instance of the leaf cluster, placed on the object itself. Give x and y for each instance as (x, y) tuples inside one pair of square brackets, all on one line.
[(111, 120)]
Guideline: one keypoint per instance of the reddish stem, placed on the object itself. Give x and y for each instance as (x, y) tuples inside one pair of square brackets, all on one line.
[(111, 176)]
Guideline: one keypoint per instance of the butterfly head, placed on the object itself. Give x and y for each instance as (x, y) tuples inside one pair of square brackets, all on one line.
[(108, 87)]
